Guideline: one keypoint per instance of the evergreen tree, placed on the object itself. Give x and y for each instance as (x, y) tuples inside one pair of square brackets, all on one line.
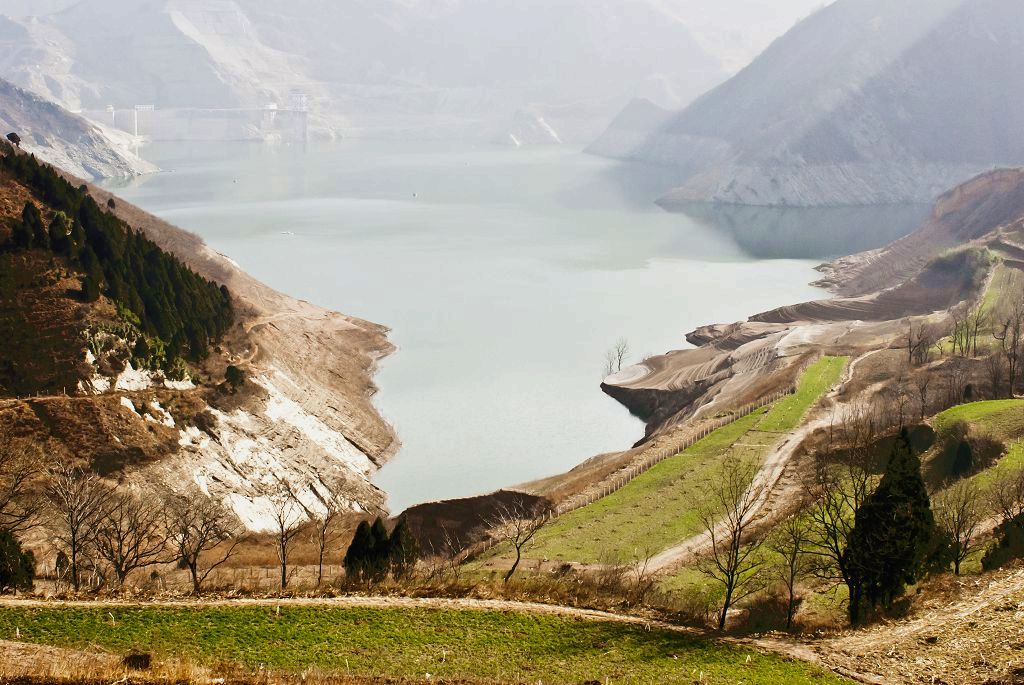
[(402, 549), (1009, 544), (359, 551), (17, 565), (894, 532), (21, 235), (34, 223), (380, 555), (60, 234)]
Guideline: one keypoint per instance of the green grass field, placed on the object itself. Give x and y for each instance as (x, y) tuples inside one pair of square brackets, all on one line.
[(1002, 419), (454, 644), (659, 508)]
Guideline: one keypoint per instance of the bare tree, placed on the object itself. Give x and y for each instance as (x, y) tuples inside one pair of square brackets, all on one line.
[(900, 398), (995, 364), (288, 517), (195, 527), (958, 514), (615, 358), (515, 524), (922, 381), (1006, 495), (841, 483), (1009, 332), (130, 534), (957, 376), (919, 341), (20, 505), (731, 502), (76, 500), (324, 534), (976, 321), (790, 542)]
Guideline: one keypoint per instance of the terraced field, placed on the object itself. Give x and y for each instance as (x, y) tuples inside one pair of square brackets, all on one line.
[(659, 508)]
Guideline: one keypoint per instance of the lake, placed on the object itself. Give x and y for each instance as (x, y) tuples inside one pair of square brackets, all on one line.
[(504, 274)]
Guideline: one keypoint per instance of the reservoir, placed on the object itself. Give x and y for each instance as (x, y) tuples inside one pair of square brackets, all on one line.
[(505, 275)]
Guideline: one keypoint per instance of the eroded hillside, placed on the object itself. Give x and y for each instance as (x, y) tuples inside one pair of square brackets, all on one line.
[(185, 372)]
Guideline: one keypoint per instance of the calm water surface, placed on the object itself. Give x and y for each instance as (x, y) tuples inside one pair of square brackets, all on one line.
[(505, 276)]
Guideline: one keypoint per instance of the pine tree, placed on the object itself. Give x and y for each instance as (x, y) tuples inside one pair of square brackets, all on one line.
[(893, 533), (359, 550), (380, 554), (34, 224), (403, 549), (17, 565)]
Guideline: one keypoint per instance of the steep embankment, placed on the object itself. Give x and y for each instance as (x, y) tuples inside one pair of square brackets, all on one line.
[(947, 261), (865, 102), (64, 139), (302, 422)]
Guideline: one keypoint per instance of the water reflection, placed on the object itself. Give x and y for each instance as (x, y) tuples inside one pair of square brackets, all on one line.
[(808, 232)]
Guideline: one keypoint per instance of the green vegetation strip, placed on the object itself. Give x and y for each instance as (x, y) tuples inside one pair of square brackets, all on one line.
[(393, 642), (659, 508), (1002, 419)]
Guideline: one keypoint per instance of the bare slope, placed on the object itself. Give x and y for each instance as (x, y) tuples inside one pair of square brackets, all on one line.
[(64, 139), (303, 421), (865, 102)]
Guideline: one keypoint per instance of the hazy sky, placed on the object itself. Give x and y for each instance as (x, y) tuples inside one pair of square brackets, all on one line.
[(736, 31)]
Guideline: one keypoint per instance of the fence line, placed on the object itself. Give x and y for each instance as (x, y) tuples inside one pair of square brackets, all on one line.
[(628, 473), (632, 471)]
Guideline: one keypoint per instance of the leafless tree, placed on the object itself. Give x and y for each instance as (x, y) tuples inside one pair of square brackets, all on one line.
[(288, 516), (324, 534), (130, 533), (1006, 495), (76, 500), (957, 376), (20, 505), (918, 342), (196, 526), (976, 321), (615, 358), (960, 335), (958, 514), (841, 483), (922, 381), (995, 364), (790, 542), (729, 509), (515, 524), (1009, 332), (900, 398)]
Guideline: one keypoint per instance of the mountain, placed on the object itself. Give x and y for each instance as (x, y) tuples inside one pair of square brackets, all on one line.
[(136, 350), (64, 139), (864, 102), (430, 68)]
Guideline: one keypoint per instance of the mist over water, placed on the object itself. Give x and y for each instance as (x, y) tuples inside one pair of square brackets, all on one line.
[(504, 274)]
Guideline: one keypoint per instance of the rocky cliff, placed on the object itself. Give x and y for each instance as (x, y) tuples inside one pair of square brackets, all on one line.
[(66, 140)]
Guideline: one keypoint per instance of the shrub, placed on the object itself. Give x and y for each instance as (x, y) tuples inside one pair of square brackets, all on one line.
[(17, 565), (1009, 544)]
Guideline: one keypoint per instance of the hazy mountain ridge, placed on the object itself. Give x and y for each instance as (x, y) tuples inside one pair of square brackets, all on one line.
[(427, 69), (865, 102)]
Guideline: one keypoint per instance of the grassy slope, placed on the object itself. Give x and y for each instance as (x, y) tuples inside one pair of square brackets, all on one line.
[(659, 508), (505, 646), (1002, 419)]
